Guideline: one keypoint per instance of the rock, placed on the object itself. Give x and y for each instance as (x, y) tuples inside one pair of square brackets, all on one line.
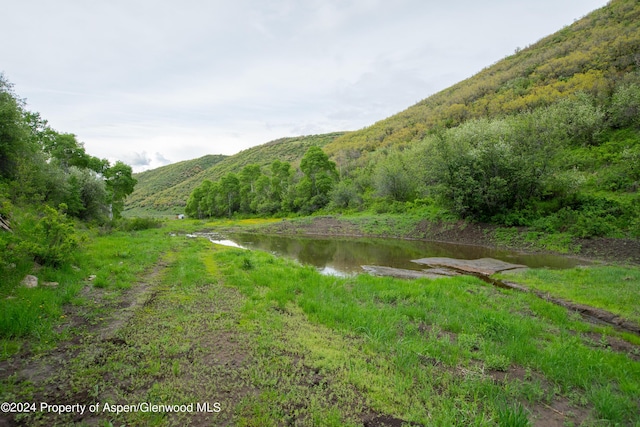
[(400, 273), (484, 266), (30, 281)]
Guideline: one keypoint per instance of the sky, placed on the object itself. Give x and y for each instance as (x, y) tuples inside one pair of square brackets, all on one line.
[(156, 82)]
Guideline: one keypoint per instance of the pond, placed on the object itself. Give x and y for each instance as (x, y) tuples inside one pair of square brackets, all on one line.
[(345, 256)]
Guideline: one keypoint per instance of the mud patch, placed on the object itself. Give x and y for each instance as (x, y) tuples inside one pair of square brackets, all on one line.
[(559, 413), (385, 421), (612, 343)]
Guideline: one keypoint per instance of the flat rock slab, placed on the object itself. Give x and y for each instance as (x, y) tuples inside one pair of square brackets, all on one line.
[(484, 266), (401, 273)]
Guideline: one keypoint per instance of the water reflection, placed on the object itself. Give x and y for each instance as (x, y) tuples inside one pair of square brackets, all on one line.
[(339, 256)]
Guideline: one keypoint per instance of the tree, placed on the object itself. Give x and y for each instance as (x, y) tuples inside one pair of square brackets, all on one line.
[(195, 204), (280, 179), (320, 175), (230, 193), (67, 150), (120, 184), (319, 170), (249, 176), (393, 179), (13, 132), (625, 106)]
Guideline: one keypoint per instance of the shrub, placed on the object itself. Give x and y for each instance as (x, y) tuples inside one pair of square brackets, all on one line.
[(51, 240), (625, 106)]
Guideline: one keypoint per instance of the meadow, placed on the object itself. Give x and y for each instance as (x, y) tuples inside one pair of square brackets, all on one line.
[(175, 320)]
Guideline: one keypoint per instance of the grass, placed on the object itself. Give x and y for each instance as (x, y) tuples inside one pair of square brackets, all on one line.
[(424, 334), (272, 342), (114, 261), (612, 288)]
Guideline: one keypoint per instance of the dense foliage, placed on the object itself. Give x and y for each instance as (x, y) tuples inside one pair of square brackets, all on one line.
[(47, 180), (276, 191)]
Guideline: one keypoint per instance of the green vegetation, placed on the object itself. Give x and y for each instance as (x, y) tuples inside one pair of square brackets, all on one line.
[(131, 310), (546, 169), (113, 261), (54, 197), (153, 182), (252, 192), (449, 335), (615, 289), (173, 320), (158, 194), (547, 138)]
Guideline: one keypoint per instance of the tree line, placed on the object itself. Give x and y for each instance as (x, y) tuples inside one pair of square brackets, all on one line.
[(40, 165), (279, 189), (48, 181)]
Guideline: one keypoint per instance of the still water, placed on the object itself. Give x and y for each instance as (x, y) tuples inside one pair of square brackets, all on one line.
[(345, 256)]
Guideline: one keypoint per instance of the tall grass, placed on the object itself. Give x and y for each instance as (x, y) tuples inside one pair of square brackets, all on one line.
[(429, 346)]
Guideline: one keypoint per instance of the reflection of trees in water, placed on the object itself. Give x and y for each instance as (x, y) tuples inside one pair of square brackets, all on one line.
[(348, 255), (317, 252)]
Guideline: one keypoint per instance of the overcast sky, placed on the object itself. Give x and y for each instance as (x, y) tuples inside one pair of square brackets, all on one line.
[(153, 82)]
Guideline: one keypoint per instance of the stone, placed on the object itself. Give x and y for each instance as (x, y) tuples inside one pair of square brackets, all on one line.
[(400, 273), (484, 266), (30, 281)]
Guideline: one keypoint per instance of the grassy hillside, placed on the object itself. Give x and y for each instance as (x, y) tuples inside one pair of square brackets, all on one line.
[(548, 137), (166, 189), (152, 182), (590, 55)]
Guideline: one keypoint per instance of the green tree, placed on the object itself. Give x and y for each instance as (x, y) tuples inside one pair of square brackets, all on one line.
[(196, 204), (66, 149), (393, 179), (230, 193), (319, 170), (320, 175), (280, 179), (625, 106), (249, 176), (13, 132), (120, 183)]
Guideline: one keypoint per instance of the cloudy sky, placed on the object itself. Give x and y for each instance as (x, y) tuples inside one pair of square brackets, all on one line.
[(154, 82)]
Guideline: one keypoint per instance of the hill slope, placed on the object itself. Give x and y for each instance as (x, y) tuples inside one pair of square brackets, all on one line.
[(155, 181), (559, 98), (590, 55), (166, 189)]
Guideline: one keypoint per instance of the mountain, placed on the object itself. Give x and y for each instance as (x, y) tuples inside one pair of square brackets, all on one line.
[(153, 182), (590, 55), (167, 188), (571, 101)]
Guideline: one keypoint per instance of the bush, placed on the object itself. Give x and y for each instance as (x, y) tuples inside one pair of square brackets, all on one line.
[(625, 106), (50, 240)]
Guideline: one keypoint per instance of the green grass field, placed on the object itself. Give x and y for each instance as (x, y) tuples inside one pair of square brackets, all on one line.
[(173, 320)]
